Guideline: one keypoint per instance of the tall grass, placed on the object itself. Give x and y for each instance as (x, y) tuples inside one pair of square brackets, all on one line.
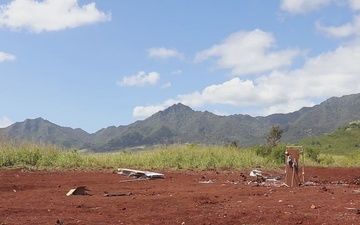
[(180, 157), (40, 155), (200, 157)]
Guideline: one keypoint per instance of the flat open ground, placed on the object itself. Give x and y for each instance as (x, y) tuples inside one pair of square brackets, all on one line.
[(185, 197)]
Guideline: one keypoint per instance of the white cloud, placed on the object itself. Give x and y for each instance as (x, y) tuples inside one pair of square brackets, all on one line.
[(303, 6), (354, 4), (343, 30), (140, 79), (334, 73), (220, 113), (166, 85), (49, 15), (6, 57), (5, 122), (248, 52), (163, 53), (142, 112), (145, 111)]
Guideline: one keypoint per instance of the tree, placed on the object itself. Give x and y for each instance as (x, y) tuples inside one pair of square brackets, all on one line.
[(273, 137)]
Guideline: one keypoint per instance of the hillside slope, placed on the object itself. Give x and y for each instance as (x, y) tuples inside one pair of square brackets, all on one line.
[(181, 124)]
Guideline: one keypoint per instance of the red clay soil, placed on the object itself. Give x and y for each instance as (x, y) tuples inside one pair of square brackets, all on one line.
[(330, 196)]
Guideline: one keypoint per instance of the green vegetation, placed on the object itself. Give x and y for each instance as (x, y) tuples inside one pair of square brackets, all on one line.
[(341, 148), (272, 150), (273, 137), (177, 157), (172, 157), (344, 141)]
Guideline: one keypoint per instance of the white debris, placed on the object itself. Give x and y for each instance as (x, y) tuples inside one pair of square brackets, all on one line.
[(139, 173), (206, 182), (255, 173)]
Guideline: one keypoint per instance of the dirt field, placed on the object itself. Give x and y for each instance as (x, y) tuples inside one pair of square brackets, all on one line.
[(188, 197)]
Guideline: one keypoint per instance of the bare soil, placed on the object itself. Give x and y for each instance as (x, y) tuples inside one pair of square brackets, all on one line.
[(328, 196)]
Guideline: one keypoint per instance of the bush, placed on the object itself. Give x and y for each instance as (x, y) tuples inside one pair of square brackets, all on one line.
[(278, 153), (327, 160), (313, 154), (261, 150)]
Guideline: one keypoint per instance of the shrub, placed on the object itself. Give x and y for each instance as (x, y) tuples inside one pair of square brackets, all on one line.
[(278, 153), (261, 150), (326, 160), (313, 154)]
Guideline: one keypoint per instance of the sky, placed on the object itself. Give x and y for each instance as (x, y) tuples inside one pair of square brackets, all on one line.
[(92, 64)]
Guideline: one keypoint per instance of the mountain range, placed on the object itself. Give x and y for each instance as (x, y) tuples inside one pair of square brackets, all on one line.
[(180, 124)]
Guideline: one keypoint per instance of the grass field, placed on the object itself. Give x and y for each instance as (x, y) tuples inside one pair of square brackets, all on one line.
[(45, 156)]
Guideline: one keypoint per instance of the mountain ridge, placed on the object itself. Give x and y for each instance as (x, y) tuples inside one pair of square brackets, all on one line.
[(181, 124)]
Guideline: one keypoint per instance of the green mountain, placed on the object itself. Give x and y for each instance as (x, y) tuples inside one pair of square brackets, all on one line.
[(181, 124), (40, 130), (324, 118)]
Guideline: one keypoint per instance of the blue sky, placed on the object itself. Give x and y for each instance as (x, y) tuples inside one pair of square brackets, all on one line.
[(93, 64)]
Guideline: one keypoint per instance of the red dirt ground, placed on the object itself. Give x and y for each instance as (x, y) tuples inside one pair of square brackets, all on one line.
[(184, 198)]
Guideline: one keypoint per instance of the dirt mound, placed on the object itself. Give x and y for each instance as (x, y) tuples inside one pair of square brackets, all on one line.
[(328, 196)]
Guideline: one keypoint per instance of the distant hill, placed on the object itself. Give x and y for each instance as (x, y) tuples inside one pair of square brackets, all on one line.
[(345, 140), (40, 130), (181, 124)]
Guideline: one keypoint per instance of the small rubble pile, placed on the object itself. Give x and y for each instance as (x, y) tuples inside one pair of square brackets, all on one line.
[(261, 180), (356, 181)]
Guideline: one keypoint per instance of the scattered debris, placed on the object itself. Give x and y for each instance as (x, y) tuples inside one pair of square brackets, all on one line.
[(355, 209), (140, 174), (232, 182), (356, 191), (356, 181), (78, 191), (284, 185), (106, 194), (309, 183), (340, 183), (313, 207), (258, 175), (324, 189), (270, 180), (243, 176), (261, 180), (255, 173), (140, 179), (206, 182)]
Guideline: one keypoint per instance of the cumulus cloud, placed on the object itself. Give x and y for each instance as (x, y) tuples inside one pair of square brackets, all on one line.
[(344, 30), (6, 57), (49, 15), (303, 6), (145, 111), (140, 79), (141, 112), (163, 53), (248, 52), (5, 122), (334, 73)]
